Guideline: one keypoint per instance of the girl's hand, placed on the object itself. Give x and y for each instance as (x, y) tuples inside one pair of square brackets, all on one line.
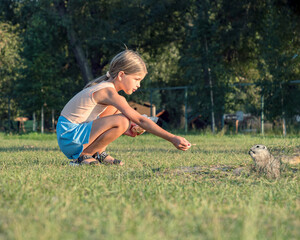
[(129, 131), (181, 143), (138, 130)]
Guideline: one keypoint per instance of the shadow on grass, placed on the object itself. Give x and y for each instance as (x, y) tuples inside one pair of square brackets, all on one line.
[(172, 150), (221, 171)]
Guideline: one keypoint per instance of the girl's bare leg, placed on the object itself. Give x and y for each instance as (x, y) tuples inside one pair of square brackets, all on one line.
[(104, 131)]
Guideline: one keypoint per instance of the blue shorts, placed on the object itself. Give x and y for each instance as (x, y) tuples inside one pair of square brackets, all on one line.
[(72, 136)]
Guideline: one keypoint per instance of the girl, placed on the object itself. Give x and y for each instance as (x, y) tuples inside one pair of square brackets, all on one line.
[(98, 115)]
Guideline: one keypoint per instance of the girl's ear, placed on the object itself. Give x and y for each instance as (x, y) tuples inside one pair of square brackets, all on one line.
[(120, 76)]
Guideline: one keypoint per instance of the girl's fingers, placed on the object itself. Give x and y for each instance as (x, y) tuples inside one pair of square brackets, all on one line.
[(183, 147), (141, 132), (131, 133), (186, 144), (182, 144)]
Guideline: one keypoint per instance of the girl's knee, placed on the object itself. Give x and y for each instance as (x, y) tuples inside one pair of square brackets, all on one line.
[(124, 122)]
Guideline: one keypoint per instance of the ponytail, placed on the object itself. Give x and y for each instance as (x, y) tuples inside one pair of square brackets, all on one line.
[(96, 81)]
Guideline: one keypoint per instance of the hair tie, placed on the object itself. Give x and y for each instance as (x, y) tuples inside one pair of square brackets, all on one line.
[(107, 74)]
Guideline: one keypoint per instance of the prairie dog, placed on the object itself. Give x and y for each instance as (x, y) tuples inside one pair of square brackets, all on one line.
[(264, 161)]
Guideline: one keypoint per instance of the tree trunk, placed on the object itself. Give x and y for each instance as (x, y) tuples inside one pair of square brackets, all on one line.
[(211, 88), (207, 69), (75, 43)]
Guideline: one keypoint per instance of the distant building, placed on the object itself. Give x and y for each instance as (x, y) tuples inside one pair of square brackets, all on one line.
[(144, 108)]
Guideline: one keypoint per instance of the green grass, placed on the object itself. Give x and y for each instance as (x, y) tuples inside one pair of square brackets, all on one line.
[(42, 197)]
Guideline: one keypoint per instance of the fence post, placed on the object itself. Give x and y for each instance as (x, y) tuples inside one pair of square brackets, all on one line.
[(52, 119), (212, 102), (262, 112), (34, 122), (283, 113), (222, 120), (284, 125), (42, 119), (185, 109), (9, 115), (151, 107)]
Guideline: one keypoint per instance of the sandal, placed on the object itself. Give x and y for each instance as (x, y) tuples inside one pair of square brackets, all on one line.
[(100, 157), (79, 161)]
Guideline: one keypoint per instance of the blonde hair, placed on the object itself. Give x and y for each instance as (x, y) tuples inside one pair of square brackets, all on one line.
[(128, 61)]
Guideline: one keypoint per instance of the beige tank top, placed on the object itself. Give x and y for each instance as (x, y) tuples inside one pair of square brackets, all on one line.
[(82, 107)]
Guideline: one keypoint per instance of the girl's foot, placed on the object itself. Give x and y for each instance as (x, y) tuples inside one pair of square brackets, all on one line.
[(106, 159), (110, 160), (90, 161), (87, 159)]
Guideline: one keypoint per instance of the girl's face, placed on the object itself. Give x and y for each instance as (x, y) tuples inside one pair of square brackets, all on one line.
[(131, 82)]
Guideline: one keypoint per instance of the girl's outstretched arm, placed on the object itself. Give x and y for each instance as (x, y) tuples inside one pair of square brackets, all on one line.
[(109, 96)]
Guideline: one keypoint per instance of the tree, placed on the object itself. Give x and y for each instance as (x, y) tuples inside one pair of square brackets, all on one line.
[(214, 39), (209, 45), (10, 64), (278, 43), (50, 76), (75, 43)]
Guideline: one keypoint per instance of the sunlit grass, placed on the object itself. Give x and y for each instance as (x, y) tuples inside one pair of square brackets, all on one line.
[(42, 197)]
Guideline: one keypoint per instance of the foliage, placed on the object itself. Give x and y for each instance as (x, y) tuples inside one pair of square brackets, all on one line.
[(212, 46), (10, 65), (218, 49), (277, 64)]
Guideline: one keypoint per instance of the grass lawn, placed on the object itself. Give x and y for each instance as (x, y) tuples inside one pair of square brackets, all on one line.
[(42, 197)]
